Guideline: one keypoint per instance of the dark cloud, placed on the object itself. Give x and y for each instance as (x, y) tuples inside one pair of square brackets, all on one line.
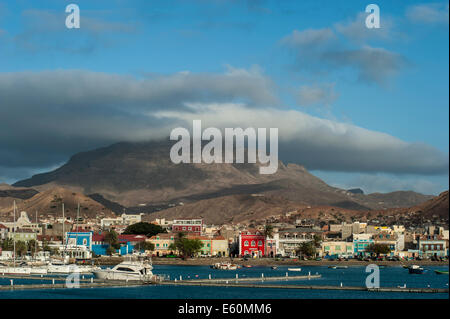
[(321, 51), (373, 64), (46, 116)]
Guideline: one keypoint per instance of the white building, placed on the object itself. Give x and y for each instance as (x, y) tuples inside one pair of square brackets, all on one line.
[(124, 219)]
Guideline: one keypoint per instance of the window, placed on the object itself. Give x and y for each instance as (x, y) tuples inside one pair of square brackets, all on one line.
[(125, 269), (253, 243), (246, 243), (260, 243)]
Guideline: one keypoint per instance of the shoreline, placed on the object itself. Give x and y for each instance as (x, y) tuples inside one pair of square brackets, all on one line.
[(272, 262)]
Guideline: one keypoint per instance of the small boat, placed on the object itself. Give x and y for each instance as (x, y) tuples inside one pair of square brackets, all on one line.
[(246, 266), (224, 266), (128, 270), (441, 272), (274, 267), (38, 270), (70, 268), (294, 269), (15, 270), (341, 267), (332, 267), (415, 269)]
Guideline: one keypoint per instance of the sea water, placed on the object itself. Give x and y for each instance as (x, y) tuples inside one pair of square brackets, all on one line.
[(392, 276)]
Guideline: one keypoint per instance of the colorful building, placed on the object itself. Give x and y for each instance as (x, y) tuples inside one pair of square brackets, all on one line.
[(126, 242), (189, 226), (432, 246), (252, 242), (361, 242), (337, 249), (24, 235), (290, 239), (162, 243)]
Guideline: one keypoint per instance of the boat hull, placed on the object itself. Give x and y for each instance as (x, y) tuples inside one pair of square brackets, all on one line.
[(113, 275)]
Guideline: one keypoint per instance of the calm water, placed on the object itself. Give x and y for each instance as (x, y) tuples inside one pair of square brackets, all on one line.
[(352, 276)]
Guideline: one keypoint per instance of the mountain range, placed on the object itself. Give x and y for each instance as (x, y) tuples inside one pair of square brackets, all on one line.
[(141, 177)]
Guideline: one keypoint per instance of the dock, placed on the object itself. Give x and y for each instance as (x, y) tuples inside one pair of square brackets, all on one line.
[(240, 282), (231, 283)]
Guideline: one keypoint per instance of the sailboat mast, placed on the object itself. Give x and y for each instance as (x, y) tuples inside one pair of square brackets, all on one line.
[(76, 229), (35, 242), (14, 236), (63, 222)]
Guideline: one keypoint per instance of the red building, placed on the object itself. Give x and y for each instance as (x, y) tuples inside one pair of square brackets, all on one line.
[(252, 242), (190, 226)]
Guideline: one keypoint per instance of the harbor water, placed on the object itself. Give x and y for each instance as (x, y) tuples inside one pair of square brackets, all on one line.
[(392, 276)]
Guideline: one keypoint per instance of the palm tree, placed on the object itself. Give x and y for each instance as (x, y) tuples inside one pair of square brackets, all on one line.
[(268, 233)]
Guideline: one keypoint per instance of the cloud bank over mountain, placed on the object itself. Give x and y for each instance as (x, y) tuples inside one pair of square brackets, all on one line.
[(66, 111)]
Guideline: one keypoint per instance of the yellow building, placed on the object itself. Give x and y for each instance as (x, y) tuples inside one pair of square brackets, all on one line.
[(337, 248), (162, 243)]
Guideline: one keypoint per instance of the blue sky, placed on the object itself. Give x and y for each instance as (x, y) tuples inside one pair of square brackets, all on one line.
[(312, 57)]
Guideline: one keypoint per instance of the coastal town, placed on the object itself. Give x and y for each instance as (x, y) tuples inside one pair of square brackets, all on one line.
[(86, 240)]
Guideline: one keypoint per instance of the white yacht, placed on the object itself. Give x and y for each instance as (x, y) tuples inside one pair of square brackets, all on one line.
[(69, 269), (7, 270), (132, 270)]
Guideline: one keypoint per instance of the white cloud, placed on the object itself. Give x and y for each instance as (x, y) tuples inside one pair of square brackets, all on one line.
[(429, 13), (322, 94), (319, 143), (357, 31)]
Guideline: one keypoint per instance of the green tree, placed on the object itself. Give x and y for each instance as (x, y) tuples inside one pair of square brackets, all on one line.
[(112, 239), (7, 244), (378, 249), (32, 246), (307, 249), (187, 247), (317, 240), (21, 248), (143, 228), (110, 250)]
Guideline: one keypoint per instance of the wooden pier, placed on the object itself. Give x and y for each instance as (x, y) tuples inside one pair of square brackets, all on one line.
[(232, 283), (253, 279), (242, 282)]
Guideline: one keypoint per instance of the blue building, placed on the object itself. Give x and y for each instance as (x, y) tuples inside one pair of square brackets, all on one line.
[(361, 242), (79, 239)]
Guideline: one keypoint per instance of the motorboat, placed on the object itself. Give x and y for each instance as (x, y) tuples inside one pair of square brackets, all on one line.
[(5, 270), (294, 269), (274, 267), (128, 270), (224, 266), (70, 268), (441, 272), (415, 269), (42, 270)]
